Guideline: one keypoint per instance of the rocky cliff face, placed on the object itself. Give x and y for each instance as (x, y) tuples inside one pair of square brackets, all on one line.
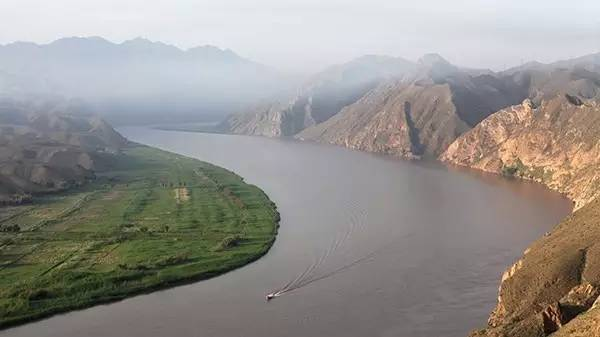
[(265, 120), (556, 143), (421, 115), (552, 138), (406, 120), (554, 285)]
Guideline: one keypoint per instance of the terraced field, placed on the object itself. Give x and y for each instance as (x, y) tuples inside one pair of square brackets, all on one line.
[(156, 219)]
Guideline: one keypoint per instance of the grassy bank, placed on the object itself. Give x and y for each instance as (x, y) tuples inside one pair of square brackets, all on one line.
[(156, 219)]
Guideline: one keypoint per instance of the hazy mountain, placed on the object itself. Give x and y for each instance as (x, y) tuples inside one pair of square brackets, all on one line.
[(49, 145), (420, 114), (139, 76), (321, 97), (589, 62)]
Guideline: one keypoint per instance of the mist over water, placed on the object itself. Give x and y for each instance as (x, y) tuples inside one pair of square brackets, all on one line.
[(444, 237)]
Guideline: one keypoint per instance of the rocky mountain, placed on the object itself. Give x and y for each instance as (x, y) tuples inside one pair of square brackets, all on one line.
[(126, 79), (390, 118), (48, 146), (416, 110), (421, 114), (536, 121), (590, 62), (321, 97), (552, 138), (554, 287)]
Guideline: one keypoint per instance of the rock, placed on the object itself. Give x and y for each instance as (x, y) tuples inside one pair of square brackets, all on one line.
[(553, 318), (555, 142), (579, 299), (555, 282)]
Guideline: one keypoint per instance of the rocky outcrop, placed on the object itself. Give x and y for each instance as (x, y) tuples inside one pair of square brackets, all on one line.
[(584, 325), (556, 143), (557, 279), (552, 138), (265, 121)]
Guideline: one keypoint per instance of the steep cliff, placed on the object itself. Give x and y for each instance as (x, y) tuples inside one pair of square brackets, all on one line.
[(420, 115), (557, 279), (406, 120), (552, 138), (555, 142), (264, 120)]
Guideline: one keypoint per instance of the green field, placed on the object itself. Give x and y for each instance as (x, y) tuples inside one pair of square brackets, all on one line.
[(155, 220)]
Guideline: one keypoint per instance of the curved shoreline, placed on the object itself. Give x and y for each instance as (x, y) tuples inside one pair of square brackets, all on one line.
[(176, 279)]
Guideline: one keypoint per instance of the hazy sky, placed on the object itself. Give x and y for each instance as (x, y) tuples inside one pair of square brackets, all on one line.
[(306, 35)]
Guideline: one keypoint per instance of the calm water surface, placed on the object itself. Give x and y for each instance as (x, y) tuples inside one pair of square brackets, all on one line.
[(442, 236)]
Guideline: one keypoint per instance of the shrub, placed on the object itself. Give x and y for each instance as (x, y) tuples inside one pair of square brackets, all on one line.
[(39, 294), (516, 169), (509, 171), (229, 242), (173, 260)]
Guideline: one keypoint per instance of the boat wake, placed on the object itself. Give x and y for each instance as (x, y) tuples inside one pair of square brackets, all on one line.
[(314, 272)]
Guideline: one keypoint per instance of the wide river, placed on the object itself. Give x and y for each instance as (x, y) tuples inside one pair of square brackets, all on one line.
[(436, 240)]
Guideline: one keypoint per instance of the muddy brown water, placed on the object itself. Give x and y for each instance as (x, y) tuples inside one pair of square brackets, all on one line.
[(442, 238)]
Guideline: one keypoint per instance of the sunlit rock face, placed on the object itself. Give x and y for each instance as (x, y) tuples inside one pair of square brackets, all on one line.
[(556, 143)]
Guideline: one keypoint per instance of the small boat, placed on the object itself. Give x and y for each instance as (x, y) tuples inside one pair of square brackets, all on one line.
[(270, 296)]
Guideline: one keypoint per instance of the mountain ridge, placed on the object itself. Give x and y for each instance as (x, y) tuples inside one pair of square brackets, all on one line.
[(537, 121), (123, 80)]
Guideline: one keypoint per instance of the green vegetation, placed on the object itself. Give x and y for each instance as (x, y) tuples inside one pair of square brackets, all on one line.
[(517, 169), (155, 220), (520, 170)]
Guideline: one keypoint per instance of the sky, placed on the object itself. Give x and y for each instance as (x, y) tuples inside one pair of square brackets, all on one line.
[(303, 36)]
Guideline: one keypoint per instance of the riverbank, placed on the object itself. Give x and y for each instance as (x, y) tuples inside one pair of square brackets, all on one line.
[(154, 220)]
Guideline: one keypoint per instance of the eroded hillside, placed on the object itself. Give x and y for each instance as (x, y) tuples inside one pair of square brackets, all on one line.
[(422, 115), (554, 141), (552, 138), (48, 147)]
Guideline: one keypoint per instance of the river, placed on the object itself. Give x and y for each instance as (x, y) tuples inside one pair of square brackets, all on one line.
[(438, 240)]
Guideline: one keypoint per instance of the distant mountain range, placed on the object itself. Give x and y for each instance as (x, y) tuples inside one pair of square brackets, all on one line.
[(123, 81), (408, 109)]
